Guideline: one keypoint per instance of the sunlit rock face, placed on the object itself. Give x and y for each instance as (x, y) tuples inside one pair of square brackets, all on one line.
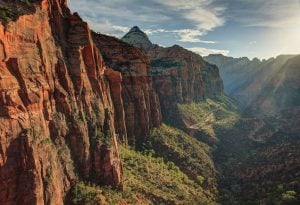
[(179, 75), (141, 103), (56, 111)]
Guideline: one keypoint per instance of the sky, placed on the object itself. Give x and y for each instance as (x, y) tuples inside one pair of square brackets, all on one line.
[(252, 28)]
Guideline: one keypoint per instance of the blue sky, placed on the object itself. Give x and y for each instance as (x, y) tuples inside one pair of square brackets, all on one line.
[(252, 28)]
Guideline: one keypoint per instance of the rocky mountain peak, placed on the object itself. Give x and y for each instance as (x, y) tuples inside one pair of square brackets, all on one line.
[(137, 38), (135, 29)]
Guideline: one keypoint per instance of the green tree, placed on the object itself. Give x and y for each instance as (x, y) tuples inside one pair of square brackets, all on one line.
[(289, 197)]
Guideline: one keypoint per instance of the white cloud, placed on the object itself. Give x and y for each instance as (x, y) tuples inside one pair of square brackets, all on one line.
[(153, 31), (274, 14), (206, 51), (190, 35), (118, 9), (124, 29), (185, 20), (184, 35), (203, 13), (107, 27)]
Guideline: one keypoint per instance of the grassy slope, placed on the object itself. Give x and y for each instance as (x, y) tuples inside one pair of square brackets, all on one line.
[(209, 114), (159, 181), (147, 180), (190, 155)]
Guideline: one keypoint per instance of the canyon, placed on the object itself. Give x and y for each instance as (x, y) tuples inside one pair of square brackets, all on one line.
[(69, 97), (87, 118)]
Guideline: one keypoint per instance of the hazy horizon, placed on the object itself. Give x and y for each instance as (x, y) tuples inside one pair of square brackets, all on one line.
[(235, 28)]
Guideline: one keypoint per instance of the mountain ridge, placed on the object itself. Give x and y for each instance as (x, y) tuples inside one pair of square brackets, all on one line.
[(180, 76)]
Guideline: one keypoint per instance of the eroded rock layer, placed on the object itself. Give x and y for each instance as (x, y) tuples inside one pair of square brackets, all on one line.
[(179, 75), (141, 103), (67, 95), (56, 112)]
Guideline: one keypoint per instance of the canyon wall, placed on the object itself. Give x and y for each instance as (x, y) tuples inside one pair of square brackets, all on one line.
[(266, 88), (179, 75), (68, 96), (141, 103), (56, 112), (244, 78)]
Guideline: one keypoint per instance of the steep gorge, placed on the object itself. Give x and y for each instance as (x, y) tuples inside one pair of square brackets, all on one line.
[(141, 103), (259, 155), (70, 96)]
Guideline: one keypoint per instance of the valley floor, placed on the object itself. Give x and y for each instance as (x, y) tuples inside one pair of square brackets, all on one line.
[(257, 161)]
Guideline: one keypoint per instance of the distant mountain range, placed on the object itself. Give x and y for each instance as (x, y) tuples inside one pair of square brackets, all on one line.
[(250, 80), (269, 92)]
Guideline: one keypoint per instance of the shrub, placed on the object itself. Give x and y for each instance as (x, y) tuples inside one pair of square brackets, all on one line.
[(289, 196), (83, 194), (200, 180), (6, 13)]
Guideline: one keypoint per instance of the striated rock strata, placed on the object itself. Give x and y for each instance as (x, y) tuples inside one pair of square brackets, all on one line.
[(179, 75), (56, 112), (141, 103), (67, 95)]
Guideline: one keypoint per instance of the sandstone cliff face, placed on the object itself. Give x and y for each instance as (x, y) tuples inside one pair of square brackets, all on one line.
[(56, 113), (140, 101), (179, 75)]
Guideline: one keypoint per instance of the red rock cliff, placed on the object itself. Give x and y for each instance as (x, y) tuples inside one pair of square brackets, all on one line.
[(179, 75), (141, 103), (56, 112)]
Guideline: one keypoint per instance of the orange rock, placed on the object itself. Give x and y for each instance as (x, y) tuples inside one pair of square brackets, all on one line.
[(56, 112), (141, 103), (179, 75)]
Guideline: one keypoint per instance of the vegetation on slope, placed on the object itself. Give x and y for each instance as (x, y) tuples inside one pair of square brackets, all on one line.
[(254, 156), (221, 113), (148, 179), (190, 155), (86, 194), (11, 10)]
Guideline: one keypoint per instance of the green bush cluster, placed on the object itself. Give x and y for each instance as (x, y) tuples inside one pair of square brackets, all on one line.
[(289, 197), (10, 11), (159, 180), (86, 194), (190, 155), (27, 2), (212, 116), (6, 13), (153, 180)]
